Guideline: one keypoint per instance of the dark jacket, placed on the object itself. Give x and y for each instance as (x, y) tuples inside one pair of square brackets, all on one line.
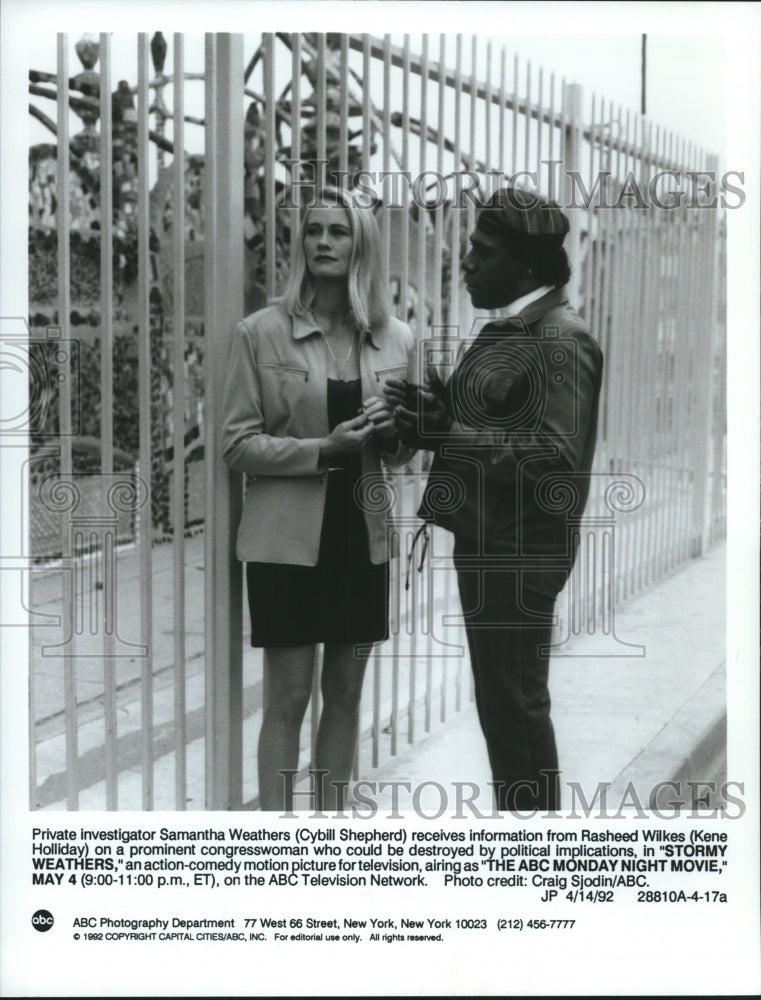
[(512, 471)]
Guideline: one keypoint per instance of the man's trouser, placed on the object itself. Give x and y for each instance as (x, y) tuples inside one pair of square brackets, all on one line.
[(508, 619)]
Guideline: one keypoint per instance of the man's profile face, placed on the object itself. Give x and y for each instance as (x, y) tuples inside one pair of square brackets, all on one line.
[(494, 277)]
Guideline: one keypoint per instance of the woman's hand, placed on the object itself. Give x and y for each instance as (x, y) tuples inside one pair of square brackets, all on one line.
[(378, 411), (347, 436)]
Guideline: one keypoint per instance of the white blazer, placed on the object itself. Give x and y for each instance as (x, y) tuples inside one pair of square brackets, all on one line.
[(276, 413)]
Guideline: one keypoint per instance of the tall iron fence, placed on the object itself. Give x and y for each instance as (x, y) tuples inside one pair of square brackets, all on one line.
[(167, 218)]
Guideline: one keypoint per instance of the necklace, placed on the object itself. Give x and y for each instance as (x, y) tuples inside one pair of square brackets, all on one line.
[(340, 369)]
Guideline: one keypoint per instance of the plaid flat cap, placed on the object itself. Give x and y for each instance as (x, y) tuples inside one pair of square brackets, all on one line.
[(512, 211)]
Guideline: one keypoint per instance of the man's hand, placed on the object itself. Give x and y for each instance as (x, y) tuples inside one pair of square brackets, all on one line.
[(419, 413)]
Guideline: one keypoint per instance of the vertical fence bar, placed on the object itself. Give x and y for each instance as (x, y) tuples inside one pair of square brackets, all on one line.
[(683, 342), (321, 145), (63, 257), (404, 280), (717, 358), (527, 121), (343, 105), (651, 315), (691, 381), (366, 108), (618, 275), (601, 233), (597, 259), (629, 304), (178, 418), (473, 160), (471, 211), (293, 213), (391, 657), (617, 333), (572, 162), (321, 137), (677, 390), (562, 126), (718, 318), (438, 256), (455, 270), (422, 214), (314, 717), (402, 312), (420, 616), (539, 127), (144, 523), (659, 406), (106, 401), (320, 98), (386, 219), (502, 100), (376, 727), (668, 391), (589, 216), (654, 300), (438, 219), (516, 102), (454, 292), (366, 76), (551, 137), (410, 611), (701, 435), (423, 313), (487, 108), (270, 240), (386, 245), (270, 233), (608, 259), (223, 306), (704, 362), (645, 252), (687, 343)]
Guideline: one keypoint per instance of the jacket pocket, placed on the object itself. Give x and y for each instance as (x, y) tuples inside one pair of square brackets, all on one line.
[(286, 369)]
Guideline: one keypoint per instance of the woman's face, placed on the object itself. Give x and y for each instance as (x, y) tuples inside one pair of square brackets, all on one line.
[(328, 242)]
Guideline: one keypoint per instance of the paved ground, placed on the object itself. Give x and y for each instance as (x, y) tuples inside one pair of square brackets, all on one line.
[(632, 718)]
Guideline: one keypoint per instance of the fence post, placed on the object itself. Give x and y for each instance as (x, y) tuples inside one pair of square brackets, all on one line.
[(707, 464), (571, 155), (223, 242)]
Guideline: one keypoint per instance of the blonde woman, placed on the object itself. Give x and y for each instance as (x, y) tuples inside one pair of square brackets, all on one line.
[(305, 418)]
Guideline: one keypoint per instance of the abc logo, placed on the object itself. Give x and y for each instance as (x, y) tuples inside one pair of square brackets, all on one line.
[(42, 920)]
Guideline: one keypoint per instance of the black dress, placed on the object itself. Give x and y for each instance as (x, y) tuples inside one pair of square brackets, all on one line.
[(344, 598)]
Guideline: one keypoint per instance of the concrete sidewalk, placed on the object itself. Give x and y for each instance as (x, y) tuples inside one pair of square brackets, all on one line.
[(630, 722), (639, 718)]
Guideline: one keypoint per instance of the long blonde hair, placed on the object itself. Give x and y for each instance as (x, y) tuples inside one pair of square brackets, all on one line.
[(368, 289)]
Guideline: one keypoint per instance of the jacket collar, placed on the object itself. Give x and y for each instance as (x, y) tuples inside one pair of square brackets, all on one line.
[(533, 312), (306, 325), (552, 300)]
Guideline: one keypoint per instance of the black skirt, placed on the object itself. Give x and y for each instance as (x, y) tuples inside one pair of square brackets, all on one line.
[(344, 598)]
